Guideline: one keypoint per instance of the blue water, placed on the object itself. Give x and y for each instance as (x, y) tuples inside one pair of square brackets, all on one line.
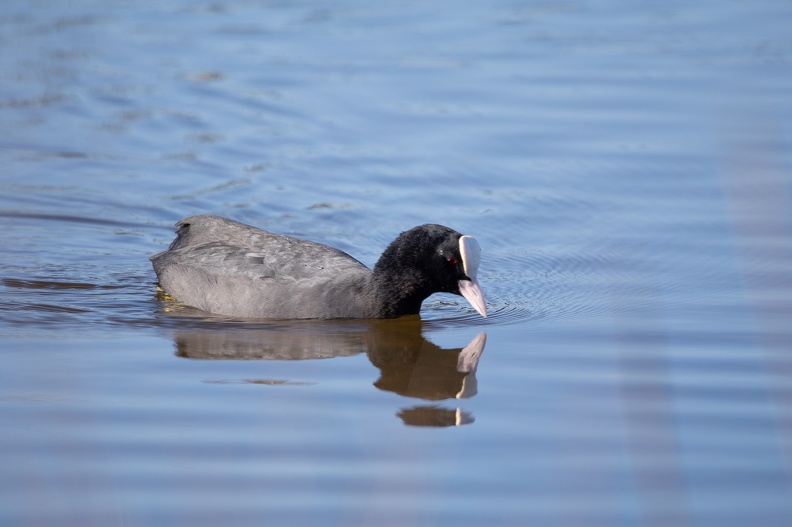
[(626, 169)]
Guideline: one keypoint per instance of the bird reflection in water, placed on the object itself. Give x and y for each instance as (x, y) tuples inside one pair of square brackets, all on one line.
[(409, 364)]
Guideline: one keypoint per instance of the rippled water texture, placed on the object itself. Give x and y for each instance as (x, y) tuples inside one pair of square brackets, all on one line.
[(625, 167)]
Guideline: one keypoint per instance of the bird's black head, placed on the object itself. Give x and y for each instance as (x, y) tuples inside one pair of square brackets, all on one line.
[(430, 259)]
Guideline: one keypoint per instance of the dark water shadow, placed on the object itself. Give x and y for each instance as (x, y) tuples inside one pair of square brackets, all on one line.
[(409, 364)]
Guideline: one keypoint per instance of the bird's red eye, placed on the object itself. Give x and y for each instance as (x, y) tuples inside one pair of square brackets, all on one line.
[(452, 260)]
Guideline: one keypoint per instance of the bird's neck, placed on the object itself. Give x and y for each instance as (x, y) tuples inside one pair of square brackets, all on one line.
[(398, 292)]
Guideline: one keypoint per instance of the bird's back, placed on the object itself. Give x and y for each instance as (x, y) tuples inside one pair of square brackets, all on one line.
[(229, 268)]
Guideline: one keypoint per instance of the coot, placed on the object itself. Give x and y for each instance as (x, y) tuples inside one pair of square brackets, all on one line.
[(229, 268)]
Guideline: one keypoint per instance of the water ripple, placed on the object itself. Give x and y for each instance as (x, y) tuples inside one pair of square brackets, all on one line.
[(70, 219), (547, 284)]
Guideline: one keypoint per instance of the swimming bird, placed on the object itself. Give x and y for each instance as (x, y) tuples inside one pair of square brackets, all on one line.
[(228, 268)]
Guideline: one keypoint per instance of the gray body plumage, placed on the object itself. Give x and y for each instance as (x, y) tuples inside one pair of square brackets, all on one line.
[(229, 268)]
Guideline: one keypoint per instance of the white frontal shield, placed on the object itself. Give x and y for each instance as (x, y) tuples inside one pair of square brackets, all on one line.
[(470, 289)]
